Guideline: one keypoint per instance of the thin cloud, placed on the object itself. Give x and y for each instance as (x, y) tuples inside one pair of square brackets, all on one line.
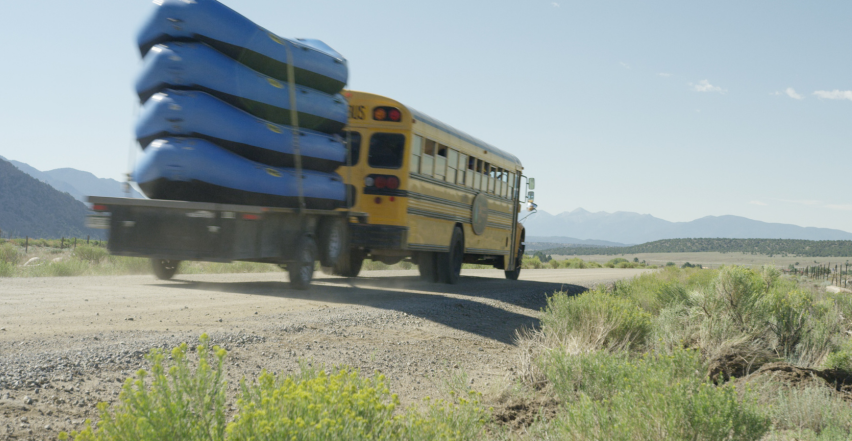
[(705, 86), (762, 204), (834, 94), (792, 94), (555, 5), (625, 65), (843, 207), (808, 202), (664, 74)]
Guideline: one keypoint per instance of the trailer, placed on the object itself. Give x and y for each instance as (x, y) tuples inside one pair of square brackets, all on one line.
[(169, 232)]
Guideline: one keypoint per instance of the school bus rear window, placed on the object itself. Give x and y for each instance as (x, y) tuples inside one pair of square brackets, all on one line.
[(386, 150)]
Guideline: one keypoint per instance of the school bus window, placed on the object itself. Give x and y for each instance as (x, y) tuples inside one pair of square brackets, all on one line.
[(354, 145), (490, 171), (462, 167), (386, 150), (452, 165), (427, 159), (477, 175), (441, 162), (511, 185), (416, 151)]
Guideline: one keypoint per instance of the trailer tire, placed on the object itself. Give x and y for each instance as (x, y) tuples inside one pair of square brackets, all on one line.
[(333, 240), (301, 270), (165, 269)]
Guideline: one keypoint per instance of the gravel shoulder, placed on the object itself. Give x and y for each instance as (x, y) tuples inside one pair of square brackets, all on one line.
[(68, 343)]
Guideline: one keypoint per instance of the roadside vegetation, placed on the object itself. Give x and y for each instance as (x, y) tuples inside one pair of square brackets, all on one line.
[(56, 258), (769, 247), (733, 353), (682, 354)]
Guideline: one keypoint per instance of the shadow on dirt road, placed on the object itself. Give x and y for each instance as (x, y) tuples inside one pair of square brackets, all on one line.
[(490, 307)]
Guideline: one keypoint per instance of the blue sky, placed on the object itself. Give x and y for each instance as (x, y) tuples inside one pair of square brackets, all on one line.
[(677, 109)]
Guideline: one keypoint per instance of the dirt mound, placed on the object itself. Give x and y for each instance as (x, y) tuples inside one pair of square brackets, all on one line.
[(518, 414), (798, 377)]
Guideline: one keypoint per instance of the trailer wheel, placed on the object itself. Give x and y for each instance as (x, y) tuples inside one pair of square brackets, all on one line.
[(301, 270), (426, 263), (165, 269), (450, 263), (333, 240)]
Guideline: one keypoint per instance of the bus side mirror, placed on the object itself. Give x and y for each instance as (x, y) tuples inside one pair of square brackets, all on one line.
[(532, 183), (531, 196)]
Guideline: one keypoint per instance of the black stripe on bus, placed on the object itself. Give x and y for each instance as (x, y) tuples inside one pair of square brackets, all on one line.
[(426, 247), (441, 216)]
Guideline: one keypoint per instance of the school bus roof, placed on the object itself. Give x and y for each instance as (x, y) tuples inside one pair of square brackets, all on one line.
[(426, 119)]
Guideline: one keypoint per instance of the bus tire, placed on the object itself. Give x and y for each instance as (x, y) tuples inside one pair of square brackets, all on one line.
[(301, 270), (165, 269), (332, 240), (428, 267), (513, 274), (450, 263), (348, 265)]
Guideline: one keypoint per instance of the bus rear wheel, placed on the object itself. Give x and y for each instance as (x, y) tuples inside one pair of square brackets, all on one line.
[(450, 263), (165, 269), (348, 265), (426, 264)]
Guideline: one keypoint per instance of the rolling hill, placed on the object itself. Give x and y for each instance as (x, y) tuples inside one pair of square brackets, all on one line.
[(770, 247), (635, 228), (29, 207)]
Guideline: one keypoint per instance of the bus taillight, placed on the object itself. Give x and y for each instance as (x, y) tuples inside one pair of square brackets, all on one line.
[(381, 182), (393, 183)]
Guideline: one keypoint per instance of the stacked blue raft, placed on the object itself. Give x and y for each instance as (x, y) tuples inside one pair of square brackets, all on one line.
[(216, 111)]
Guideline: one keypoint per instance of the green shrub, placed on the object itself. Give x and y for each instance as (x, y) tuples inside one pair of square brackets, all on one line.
[(615, 397), (90, 254), (595, 319), (553, 264), (9, 254), (174, 403), (531, 263), (6, 269)]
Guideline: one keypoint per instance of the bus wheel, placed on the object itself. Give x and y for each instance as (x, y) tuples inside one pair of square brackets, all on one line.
[(165, 269), (301, 270), (348, 265), (513, 274), (332, 240), (428, 267), (449, 264)]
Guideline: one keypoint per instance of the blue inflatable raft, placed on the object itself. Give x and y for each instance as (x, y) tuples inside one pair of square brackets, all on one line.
[(199, 115), (189, 169), (199, 67), (316, 65)]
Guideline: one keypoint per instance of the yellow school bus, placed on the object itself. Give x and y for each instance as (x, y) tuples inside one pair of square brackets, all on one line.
[(434, 195)]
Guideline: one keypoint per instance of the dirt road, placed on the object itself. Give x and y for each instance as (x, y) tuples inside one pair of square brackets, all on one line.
[(68, 343)]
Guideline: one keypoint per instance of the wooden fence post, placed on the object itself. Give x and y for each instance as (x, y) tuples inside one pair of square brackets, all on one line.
[(75, 243), (62, 244), (87, 239), (27, 245)]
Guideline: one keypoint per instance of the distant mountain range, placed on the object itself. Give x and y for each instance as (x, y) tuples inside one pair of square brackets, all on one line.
[(78, 184), (29, 207), (635, 228)]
